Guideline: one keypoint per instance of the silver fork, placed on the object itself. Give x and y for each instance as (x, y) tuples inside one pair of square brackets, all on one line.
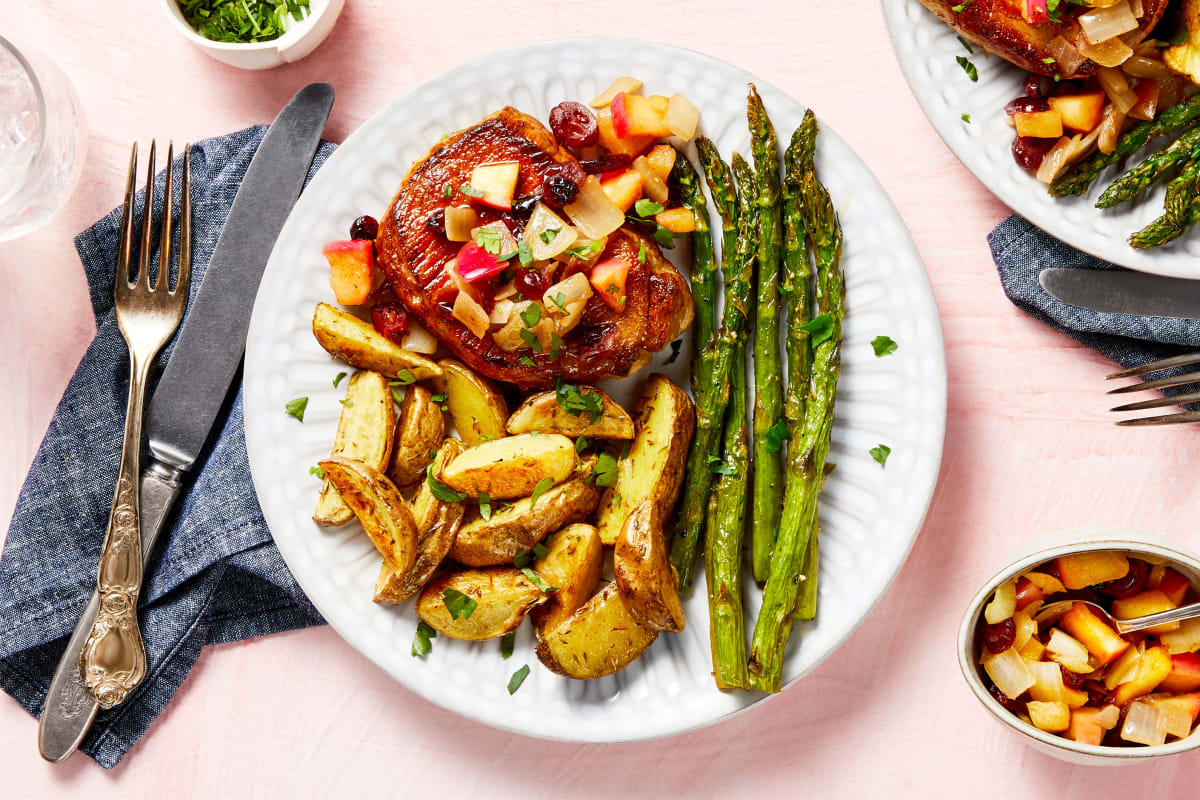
[(113, 660), (1160, 383)]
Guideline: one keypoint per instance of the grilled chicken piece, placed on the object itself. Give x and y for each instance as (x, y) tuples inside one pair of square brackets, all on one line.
[(999, 27), (605, 344)]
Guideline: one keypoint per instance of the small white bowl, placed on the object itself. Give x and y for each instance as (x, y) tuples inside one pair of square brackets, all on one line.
[(1075, 540), (300, 38)]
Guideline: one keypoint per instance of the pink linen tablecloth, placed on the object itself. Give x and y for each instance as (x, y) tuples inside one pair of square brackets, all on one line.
[(1029, 447)]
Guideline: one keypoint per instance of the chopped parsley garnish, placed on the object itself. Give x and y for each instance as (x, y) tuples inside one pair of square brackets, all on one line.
[(540, 550), (556, 343), (965, 44), (586, 251), (606, 470), (527, 361), (489, 239), (576, 403), (517, 679), (315, 469), (440, 397), (440, 490), (880, 453), (458, 604), (532, 315), (524, 253), (397, 395), (958, 9), (721, 468), (259, 21), (641, 253), (777, 434), (560, 300), (346, 402), (520, 560), (485, 505), (581, 444), (647, 208), (968, 67), (675, 345), (470, 191), (447, 191), (537, 581), (966, 118), (883, 346), (664, 237), (540, 489), (531, 340), (507, 642), (819, 328), (296, 407), (338, 379), (403, 378), (549, 235), (421, 644)]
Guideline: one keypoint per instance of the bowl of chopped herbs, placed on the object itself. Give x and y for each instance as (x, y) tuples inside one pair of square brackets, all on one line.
[(254, 34)]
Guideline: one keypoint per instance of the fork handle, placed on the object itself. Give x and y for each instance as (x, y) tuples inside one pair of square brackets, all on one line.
[(1180, 614), (113, 660)]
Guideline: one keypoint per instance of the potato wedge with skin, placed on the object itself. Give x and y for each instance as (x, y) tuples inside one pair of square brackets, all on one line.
[(475, 404), (437, 525), (379, 507), (572, 563), (503, 596), (645, 577), (365, 432), (419, 433), (542, 412), (515, 530), (654, 467), (356, 342), (511, 467), (600, 638)]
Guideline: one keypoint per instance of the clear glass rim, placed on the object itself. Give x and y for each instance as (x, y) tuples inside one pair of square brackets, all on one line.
[(41, 123)]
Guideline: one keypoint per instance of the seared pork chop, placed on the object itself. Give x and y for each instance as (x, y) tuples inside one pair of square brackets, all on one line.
[(414, 257)]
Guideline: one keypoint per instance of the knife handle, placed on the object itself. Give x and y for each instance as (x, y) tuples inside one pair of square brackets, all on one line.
[(69, 709)]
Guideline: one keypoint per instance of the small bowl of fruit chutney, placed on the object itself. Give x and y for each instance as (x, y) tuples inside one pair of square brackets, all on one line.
[(1064, 679)]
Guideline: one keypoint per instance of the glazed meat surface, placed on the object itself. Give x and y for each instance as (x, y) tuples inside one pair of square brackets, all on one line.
[(414, 257)]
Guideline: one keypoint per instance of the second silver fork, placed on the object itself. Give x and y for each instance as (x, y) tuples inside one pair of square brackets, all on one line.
[(1181, 399), (113, 660)]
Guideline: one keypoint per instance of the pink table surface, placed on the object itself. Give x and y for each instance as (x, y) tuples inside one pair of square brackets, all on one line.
[(1029, 446)]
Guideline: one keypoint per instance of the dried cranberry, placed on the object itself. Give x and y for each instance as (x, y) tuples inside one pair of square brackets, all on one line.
[(1072, 680), (515, 225), (1012, 705), (1133, 582), (524, 206), (1029, 152), (1098, 694), (560, 190), (612, 163), (532, 284), (1026, 105), (1000, 637), (391, 320), (436, 221), (364, 228), (1039, 86), (574, 125)]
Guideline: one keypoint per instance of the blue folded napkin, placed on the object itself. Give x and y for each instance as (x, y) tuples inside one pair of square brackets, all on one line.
[(1021, 251), (216, 575)]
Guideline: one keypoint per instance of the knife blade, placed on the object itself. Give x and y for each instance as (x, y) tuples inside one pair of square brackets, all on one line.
[(198, 375), (1124, 292)]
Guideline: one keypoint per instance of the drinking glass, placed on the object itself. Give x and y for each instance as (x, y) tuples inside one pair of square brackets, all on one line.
[(41, 139)]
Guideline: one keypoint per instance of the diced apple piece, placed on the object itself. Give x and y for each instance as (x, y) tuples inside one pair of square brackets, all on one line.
[(1152, 670), (473, 263), (471, 314), (634, 115), (1033, 650), (1122, 669), (1185, 674), (1188, 704), (1085, 569), (497, 182), (1039, 124), (1095, 634), (460, 221), (624, 188), (1050, 717), (661, 159), (658, 103), (1184, 640), (610, 141), (351, 270), (594, 212), (1080, 112), (623, 85), (1084, 728), (608, 279), (1139, 605), (682, 117), (1146, 107), (653, 186), (1174, 586), (677, 220)]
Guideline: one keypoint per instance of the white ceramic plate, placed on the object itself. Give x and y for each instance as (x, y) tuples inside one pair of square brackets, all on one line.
[(870, 514), (926, 49)]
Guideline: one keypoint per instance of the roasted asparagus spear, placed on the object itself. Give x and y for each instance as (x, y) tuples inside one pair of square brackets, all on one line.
[(1135, 180)]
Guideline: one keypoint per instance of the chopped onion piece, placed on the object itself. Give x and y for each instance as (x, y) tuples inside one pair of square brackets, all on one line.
[(653, 186), (1048, 683), (1173, 720), (1142, 67), (593, 211), (1004, 603), (506, 291), (1135, 6), (682, 117), (1067, 56), (1056, 161), (1122, 669), (1026, 626), (565, 300), (625, 85), (547, 234), (1117, 88), (501, 312), (471, 314), (1147, 105), (1104, 23), (1109, 53), (1110, 129), (1009, 672), (509, 338), (1047, 583), (1068, 651), (459, 222), (500, 243), (1141, 724), (1184, 640), (418, 340)]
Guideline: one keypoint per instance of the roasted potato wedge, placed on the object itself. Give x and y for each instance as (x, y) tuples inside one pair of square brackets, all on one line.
[(654, 467), (437, 525), (543, 412), (600, 638), (379, 507), (365, 432), (503, 596), (516, 529), (356, 342), (511, 467), (419, 433), (475, 404), (645, 577), (572, 564)]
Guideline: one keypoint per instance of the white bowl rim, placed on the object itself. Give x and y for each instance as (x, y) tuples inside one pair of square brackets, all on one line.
[(291, 36), (1111, 539)]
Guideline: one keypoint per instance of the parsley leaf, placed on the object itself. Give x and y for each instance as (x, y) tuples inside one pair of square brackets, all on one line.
[(777, 434), (520, 560), (530, 339), (470, 191), (883, 346), (721, 468), (315, 469), (489, 239), (403, 378), (880, 453), (641, 253), (517, 679), (485, 505), (447, 191), (527, 361), (296, 407), (647, 208), (540, 489), (507, 642), (965, 44), (338, 379), (820, 328), (968, 68), (675, 345), (537, 581), (664, 237), (421, 644), (540, 550), (576, 403), (440, 490), (438, 398), (966, 118), (532, 315), (549, 235), (581, 444), (560, 300), (458, 604), (606, 470)]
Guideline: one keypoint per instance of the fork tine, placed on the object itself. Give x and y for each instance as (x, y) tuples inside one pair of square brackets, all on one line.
[(143, 277), (1155, 366), (125, 247), (183, 275), (1159, 383), (164, 239), (1165, 419), (1160, 402)]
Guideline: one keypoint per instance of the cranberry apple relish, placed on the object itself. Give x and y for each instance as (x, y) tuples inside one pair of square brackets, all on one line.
[(1068, 672)]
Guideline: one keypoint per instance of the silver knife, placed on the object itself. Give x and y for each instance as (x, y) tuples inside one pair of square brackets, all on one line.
[(1123, 292), (198, 375)]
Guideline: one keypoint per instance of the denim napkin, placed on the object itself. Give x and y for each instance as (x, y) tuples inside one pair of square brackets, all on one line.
[(1021, 251), (216, 575)]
